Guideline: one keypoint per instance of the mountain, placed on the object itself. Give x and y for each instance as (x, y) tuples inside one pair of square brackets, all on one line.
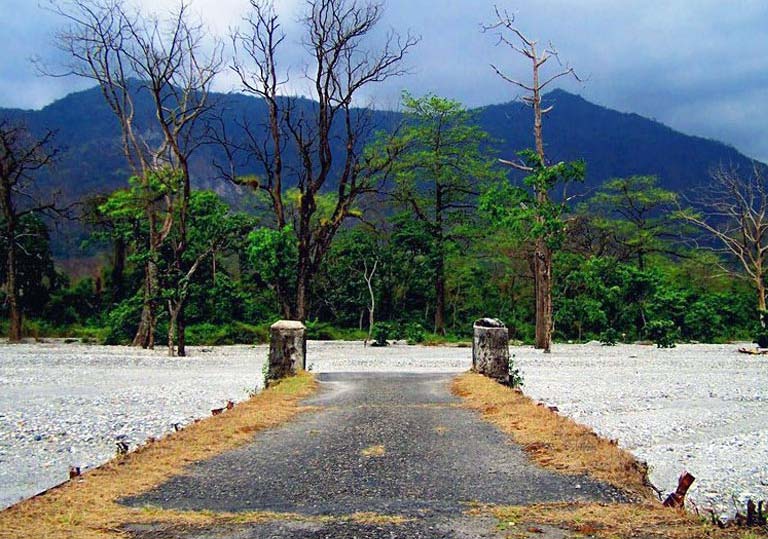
[(613, 144)]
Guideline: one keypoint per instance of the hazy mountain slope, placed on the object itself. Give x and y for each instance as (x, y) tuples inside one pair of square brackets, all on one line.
[(612, 143)]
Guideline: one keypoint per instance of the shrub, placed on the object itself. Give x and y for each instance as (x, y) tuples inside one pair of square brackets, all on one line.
[(415, 333), (515, 376), (609, 337), (123, 321), (223, 334), (663, 333), (381, 332), (321, 331)]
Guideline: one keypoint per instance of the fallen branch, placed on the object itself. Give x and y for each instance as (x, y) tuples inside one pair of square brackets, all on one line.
[(754, 351)]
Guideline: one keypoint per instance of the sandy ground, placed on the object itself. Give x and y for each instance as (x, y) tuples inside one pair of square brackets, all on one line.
[(695, 407)]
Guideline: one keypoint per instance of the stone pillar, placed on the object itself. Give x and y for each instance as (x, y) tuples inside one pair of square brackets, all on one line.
[(287, 349), (490, 349)]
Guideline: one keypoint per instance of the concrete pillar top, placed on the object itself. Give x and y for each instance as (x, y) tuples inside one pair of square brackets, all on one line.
[(287, 324), (489, 323)]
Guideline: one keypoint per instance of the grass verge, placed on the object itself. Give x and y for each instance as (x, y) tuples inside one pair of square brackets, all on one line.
[(559, 443), (552, 440), (87, 507), (611, 521)]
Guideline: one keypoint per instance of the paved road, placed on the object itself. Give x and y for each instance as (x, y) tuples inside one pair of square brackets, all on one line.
[(394, 444)]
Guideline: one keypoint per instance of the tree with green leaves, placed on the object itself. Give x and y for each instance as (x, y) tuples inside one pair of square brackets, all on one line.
[(535, 162), (636, 214), (438, 176), (22, 156), (212, 228), (541, 220)]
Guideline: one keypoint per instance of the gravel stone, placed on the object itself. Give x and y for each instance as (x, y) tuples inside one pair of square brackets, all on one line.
[(695, 407), (65, 405)]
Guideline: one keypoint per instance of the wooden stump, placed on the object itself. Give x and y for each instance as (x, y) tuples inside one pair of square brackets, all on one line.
[(490, 349), (287, 349)]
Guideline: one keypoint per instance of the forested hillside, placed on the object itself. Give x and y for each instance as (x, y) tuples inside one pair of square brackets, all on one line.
[(208, 216), (613, 144)]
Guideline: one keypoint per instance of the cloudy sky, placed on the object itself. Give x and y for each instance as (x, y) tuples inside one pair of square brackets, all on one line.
[(700, 66)]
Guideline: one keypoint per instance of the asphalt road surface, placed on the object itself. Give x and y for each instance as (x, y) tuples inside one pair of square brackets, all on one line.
[(392, 444)]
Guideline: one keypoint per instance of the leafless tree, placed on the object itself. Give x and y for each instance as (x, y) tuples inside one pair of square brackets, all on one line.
[(126, 53), (511, 36), (733, 209), (368, 274), (328, 136), (22, 155)]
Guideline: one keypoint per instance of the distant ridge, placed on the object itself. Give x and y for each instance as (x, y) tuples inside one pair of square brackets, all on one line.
[(612, 143)]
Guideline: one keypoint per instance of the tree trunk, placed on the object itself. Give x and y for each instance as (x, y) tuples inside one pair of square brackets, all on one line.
[(118, 270), (543, 276), (543, 254), (181, 325), (440, 262), (14, 332), (303, 271), (300, 313), (372, 307), (761, 300), (145, 334), (172, 317), (440, 296)]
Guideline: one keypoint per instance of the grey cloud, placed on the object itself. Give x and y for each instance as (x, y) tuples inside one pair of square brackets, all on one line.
[(699, 67)]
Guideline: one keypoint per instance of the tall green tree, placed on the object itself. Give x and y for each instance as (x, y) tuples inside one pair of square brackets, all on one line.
[(439, 175), (540, 220), (535, 162), (637, 215), (22, 156)]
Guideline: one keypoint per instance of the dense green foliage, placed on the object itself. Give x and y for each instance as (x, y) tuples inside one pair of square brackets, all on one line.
[(623, 271)]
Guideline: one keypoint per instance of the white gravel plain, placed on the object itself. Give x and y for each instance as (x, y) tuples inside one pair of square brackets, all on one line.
[(65, 405), (701, 408)]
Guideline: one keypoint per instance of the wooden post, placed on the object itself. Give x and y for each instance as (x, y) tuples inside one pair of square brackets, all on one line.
[(677, 498), (490, 349), (287, 349)]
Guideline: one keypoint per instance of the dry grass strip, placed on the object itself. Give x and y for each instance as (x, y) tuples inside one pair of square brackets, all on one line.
[(559, 443), (552, 440), (86, 508), (610, 521)]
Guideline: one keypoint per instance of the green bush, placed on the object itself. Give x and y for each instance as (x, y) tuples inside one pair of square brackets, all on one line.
[(515, 376), (415, 333), (321, 331), (609, 337), (663, 333), (123, 321), (207, 334), (381, 333)]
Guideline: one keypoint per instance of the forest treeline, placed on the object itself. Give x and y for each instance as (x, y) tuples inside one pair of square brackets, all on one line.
[(412, 235), (626, 272)]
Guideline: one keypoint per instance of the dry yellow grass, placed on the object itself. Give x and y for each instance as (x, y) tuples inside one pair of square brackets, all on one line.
[(610, 521), (559, 443), (552, 440), (87, 508)]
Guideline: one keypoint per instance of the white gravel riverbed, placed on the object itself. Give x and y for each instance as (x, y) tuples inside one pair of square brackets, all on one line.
[(703, 408), (65, 405)]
